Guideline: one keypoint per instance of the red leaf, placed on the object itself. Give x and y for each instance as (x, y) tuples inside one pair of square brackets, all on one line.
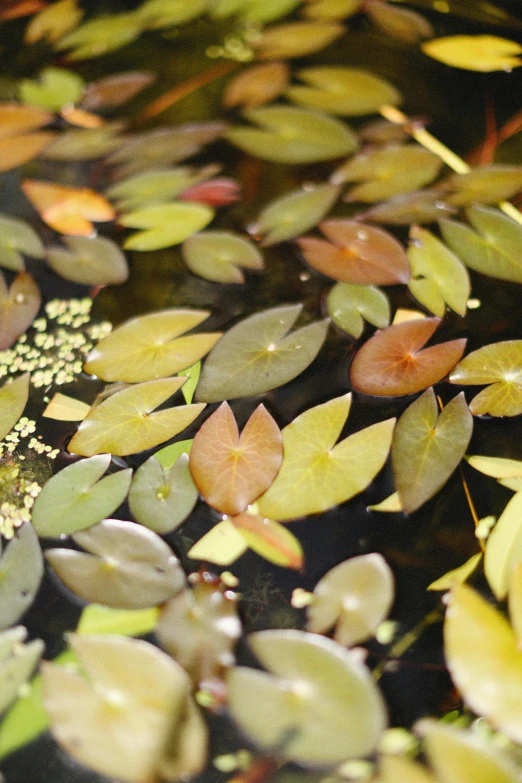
[(215, 192)]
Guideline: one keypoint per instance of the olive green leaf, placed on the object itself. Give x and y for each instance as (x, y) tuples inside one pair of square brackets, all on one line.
[(17, 661), (13, 399), (162, 499), (84, 143), (101, 35), (482, 185), (499, 364), (164, 13), (115, 90), (349, 306), (330, 9), (427, 448), (165, 225), (78, 497), (168, 455), (504, 547), (495, 246), (257, 355), (420, 206), (295, 39), (220, 255), (339, 90), (192, 374), (257, 85), (89, 261), (55, 88), (19, 306), (150, 347), (294, 213), (127, 566), (157, 187), (316, 474), (17, 239), (21, 571), (318, 706), (261, 12), (291, 135), (400, 23), (53, 21), (355, 596)]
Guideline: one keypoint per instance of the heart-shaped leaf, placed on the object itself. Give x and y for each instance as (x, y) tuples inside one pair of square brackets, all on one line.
[(295, 212), (17, 239), (149, 347), (421, 206), (53, 21), (219, 256), (349, 306), (232, 471), (115, 31), (257, 85), (78, 497), (17, 661), (55, 88), (125, 423), (483, 185), (115, 90), (15, 118), (257, 355), (427, 448), (17, 150), (21, 571), (19, 306), (13, 399), (499, 364), (68, 210), (475, 52), (270, 540), (157, 187), (504, 547), (165, 224), (89, 261), (296, 39), (316, 474), (394, 362)]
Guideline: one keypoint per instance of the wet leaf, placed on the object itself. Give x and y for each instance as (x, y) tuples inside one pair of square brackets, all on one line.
[(18, 150), (291, 135), (230, 470), (257, 355), (270, 540), (222, 545), (497, 467), (491, 684), (394, 362), (484, 185), (16, 118), (150, 347), (157, 187), (53, 22), (101, 35), (84, 143), (499, 364), (68, 210), (112, 91), (295, 212), (160, 498), (330, 9), (349, 306), (456, 576), (427, 447), (475, 52), (319, 705), (165, 224), (89, 261), (438, 278), (126, 566), (355, 596), (388, 171), (504, 547), (360, 254), (19, 306), (96, 619), (55, 88), (77, 497), (316, 474), (350, 92), (422, 206), (296, 39), (17, 661), (64, 408), (220, 255), (400, 23), (163, 13), (125, 423), (21, 571), (257, 85), (17, 239)]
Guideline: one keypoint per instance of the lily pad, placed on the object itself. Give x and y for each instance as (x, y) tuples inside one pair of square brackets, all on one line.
[(222, 545), (499, 364), (400, 23), (504, 547), (55, 88), (115, 90), (68, 210), (157, 187), (13, 399), (17, 150), (15, 119), (420, 206), (349, 306), (220, 256), (85, 143), (270, 540), (483, 53), (21, 571), (257, 85), (19, 306), (295, 212), (101, 35), (483, 185), (53, 21), (17, 239), (165, 225), (89, 261)]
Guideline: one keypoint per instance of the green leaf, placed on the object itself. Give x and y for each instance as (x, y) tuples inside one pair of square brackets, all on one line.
[(127, 566), (161, 499), (456, 576), (339, 90), (77, 497), (349, 306), (427, 448), (499, 364), (261, 12), (420, 206), (483, 53), (400, 23), (330, 9), (316, 474), (55, 88), (89, 261), (21, 571), (504, 547), (125, 622), (483, 185), (165, 224), (13, 399), (438, 278), (17, 239), (294, 213), (257, 355), (270, 540), (192, 374), (291, 135), (222, 545), (219, 256), (163, 13), (84, 143), (168, 455), (101, 35), (17, 661), (157, 187), (53, 21)]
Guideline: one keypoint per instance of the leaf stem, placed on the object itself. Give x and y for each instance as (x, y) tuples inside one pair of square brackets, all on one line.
[(408, 639)]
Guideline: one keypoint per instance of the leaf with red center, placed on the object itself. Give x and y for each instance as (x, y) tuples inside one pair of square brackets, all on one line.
[(68, 210), (19, 306), (215, 192), (230, 470), (393, 362)]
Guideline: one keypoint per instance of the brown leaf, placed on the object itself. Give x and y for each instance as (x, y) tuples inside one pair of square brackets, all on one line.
[(115, 90), (15, 9), (68, 210), (19, 306)]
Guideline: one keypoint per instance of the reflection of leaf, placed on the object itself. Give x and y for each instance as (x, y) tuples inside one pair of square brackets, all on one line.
[(230, 470), (150, 347), (256, 85), (78, 497), (499, 364), (427, 449), (125, 424), (13, 399), (68, 210), (53, 21), (112, 91), (257, 355), (350, 305), (19, 306), (21, 571), (157, 187), (17, 239), (101, 35), (394, 362), (18, 150), (17, 661), (295, 212), (165, 225), (270, 540), (220, 255), (55, 88), (316, 474), (295, 39), (484, 185), (421, 206), (16, 118), (475, 52), (89, 261), (504, 547)]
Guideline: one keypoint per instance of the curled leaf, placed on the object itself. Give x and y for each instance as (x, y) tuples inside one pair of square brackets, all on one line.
[(222, 545)]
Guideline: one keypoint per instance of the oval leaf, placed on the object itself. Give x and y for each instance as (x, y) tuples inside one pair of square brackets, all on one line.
[(504, 547), (295, 39), (475, 52), (219, 256)]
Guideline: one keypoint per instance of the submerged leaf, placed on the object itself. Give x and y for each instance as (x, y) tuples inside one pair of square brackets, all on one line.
[(17, 239), (220, 255), (165, 224), (295, 212), (499, 364), (68, 210), (504, 547), (296, 39), (17, 661), (89, 261), (55, 88), (21, 571), (257, 85), (19, 306), (13, 399), (349, 306), (475, 52)]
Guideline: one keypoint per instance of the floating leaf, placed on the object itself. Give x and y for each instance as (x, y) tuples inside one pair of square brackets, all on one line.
[(21, 571), (427, 448), (390, 504), (349, 306), (497, 467), (475, 52), (438, 278), (89, 261), (126, 622), (128, 566), (219, 256), (17, 239), (115, 90), (257, 85), (421, 206), (261, 12), (499, 364), (339, 90), (64, 408), (53, 22), (319, 706), (316, 474), (78, 497), (165, 224), (192, 374), (363, 255), (19, 306), (257, 355), (164, 13), (150, 347), (394, 362), (84, 143), (17, 661), (230, 470), (296, 39), (162, 499), (55, 88), (216, 192), (16, 119), (13, 399), (330, 9), (157, 187), (65, 209), (295, 212), (270, 540), (168, 455), (291, 135), (222, 545), (80, 118), (400, 23), (101, 35), (456, 576), (515, 600), (504, 547), (125, 424), (355, 596), (484, 184), (396, 769), (18, 150)]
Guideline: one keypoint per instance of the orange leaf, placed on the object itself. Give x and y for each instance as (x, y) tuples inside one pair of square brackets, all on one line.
[(19, 306), (18, 8), (16, 118), (81, 118), (232, 471), (68, 210), (20, 149), (270, 539), (392, 362)]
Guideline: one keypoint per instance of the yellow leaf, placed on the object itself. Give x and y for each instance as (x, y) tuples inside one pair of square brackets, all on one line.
[(15, 151), (496, 467), (475, 52), (64, 408), (504, 547), (270, 540), (456, 576), (403, 314), (391, 503), (222, 545), (515, 601)]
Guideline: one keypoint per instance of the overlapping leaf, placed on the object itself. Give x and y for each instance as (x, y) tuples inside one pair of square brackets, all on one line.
[(89, 261), (13, 399), (475, 52), (157, 187), (85, 143), (330, 9), (222, 545), (55, 88), (101, 35), (270, 540), (17, 661), (295, 212), (19, 306), (165, 225), (17, 239), (17, 150), (21, 571), (164, 13), (257, 85), (296, 39), (499, 364), (220, 256), (400, 23), (68, 210), (15, 119), (65, 408), (349, 306), (482, 185), (421, 206)]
